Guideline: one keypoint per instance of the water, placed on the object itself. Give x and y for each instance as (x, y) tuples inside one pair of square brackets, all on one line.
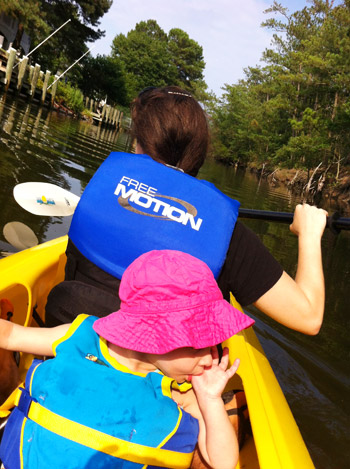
[(38, 145)]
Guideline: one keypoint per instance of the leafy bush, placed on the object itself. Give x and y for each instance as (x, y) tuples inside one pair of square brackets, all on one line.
[(70, 97)]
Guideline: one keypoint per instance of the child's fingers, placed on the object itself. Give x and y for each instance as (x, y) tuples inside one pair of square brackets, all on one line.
[(233, 368), (215, 355), (224, 359)]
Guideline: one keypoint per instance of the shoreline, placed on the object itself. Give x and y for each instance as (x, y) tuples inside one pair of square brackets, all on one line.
[(335, 193), (316, 187)]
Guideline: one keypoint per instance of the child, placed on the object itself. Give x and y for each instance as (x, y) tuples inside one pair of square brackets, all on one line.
[(112, 396)]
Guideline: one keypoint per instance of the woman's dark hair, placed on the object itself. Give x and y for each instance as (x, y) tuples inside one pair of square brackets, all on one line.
[(171, 127)]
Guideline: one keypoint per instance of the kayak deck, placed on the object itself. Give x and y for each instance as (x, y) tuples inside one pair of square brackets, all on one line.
[(26, 279)]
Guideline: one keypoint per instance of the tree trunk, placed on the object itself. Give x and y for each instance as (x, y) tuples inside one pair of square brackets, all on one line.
[(307, 188), (17, 42), (335, 105), (338, 167), (334, 111), (298, 94)]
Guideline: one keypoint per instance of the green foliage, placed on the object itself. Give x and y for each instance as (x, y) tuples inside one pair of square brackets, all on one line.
[(150, 57), (70, 97), (39, 18), (187, 57), (28, 13), (146, 56), (294, 110), (301, 151), (103, 76)]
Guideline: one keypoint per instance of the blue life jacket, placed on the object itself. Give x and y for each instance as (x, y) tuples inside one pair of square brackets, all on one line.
[(133, 205), (83, 409)]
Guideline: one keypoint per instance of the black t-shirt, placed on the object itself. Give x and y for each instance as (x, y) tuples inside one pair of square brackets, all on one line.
[(249, 270)]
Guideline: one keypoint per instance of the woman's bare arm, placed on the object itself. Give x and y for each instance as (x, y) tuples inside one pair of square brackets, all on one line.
[(299, 303)]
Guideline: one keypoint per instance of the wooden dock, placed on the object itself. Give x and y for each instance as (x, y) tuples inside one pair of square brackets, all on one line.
[(30, 81), (17, 75)]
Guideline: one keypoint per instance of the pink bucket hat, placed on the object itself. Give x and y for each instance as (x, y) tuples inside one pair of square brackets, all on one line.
[(170, 300)]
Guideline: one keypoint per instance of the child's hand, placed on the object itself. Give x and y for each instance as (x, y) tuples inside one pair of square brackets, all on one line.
[(211, 383)]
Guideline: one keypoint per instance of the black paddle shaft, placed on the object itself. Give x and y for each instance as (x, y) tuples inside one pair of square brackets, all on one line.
[(334, 222)]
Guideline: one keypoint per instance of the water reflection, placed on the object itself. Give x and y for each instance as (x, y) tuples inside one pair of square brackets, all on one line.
[(39, 145)]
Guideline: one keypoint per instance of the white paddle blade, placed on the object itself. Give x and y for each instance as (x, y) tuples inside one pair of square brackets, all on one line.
[(43, 198), (20, 235)]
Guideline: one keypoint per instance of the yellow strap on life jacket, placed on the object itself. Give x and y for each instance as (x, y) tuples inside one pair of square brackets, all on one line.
[(10, 403), (105, 443)]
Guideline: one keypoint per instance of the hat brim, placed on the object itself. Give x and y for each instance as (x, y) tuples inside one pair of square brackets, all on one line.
[(199, 327)]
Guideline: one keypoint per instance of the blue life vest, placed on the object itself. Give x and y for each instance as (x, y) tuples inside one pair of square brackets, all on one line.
[(133, 205), (83, 409)]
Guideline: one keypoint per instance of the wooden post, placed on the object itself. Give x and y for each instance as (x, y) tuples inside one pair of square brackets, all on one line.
[(21, 72), (9, 67), (87, 102), (111, 117), (31, 72), (35, 79), (91, 105), (120, 120), (110, 135), (46, 82), (103, 111), (54, 90), (108, 110), (117, 120), (98, 131), (115, 112)]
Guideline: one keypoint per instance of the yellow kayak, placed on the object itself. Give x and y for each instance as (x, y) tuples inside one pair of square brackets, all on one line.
[(276, 443)]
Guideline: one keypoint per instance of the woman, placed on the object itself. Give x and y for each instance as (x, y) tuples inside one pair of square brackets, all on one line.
[(170, 126)]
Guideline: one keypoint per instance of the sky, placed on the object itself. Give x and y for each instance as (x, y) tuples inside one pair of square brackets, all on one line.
[(229, 31)]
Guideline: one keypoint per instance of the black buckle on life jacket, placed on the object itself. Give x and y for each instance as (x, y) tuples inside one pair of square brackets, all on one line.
[(25, 401)]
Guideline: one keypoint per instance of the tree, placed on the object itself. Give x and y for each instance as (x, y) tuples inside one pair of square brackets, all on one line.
[(295, 111), (101, 76), (309, 142), (144, 56), (150, 57), (70, 42), (187, 56), (316, 59), (230, 123), (29, 15), (39, 18)]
